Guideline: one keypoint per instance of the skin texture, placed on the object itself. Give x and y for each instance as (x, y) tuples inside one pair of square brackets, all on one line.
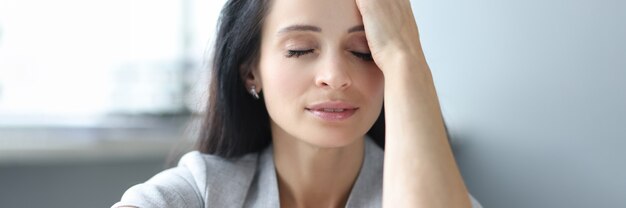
[(317, 162)]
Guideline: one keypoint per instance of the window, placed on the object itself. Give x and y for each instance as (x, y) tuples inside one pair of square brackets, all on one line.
[(84, 74), (77, 58)]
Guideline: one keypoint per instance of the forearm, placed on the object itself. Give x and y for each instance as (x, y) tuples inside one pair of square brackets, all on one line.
[(420, 170)]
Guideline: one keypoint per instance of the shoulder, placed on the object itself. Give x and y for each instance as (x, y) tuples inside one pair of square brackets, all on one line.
[(198, 178), (210, 169)]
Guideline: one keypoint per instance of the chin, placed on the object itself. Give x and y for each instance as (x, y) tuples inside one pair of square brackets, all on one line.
[(329, 139)]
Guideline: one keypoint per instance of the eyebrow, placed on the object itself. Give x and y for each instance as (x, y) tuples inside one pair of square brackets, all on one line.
[(312, 28), (300, 28)]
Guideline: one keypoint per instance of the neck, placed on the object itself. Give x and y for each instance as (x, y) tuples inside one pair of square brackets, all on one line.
[(310, 176)]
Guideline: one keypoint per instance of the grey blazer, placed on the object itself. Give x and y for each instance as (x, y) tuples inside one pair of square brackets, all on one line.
[(202, 180)]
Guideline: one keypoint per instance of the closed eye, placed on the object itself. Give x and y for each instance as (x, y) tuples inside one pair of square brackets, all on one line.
[(298, 53), (364, 56)]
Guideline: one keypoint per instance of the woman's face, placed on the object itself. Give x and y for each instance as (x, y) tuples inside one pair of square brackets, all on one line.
[(314, 59)]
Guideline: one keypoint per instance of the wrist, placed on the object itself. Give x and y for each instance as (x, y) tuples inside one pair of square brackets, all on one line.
[(407, 67)]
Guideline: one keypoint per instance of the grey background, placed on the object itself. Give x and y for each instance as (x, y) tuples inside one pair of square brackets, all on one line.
[(82, 184), (533, 92)]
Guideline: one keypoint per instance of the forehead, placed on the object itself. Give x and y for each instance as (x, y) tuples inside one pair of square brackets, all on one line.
[(329, 15)]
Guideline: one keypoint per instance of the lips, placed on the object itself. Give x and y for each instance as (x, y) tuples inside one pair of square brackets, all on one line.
[(332, 111)]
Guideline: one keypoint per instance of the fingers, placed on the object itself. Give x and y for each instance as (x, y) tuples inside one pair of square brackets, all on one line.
[(390, 28)]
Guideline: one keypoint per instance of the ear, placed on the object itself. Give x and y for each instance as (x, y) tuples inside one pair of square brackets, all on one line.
[(251, 76)]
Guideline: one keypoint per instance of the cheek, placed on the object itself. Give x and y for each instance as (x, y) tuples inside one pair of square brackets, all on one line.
[(283, 80), (283, 87), (373, 84), (373, 93)]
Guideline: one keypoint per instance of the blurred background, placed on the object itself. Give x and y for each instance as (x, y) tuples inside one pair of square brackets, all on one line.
[(96, 96)]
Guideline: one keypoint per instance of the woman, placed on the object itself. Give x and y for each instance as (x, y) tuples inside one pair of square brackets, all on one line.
[(296, 119)]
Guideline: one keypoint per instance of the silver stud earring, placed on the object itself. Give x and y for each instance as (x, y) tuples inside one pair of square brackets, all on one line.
[(253, 92)]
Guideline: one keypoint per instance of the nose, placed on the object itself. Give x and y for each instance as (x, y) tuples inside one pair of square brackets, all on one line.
[(334, 74)]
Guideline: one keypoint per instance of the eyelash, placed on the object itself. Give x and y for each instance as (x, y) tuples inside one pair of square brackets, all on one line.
[(298, 53), (364, 56)]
